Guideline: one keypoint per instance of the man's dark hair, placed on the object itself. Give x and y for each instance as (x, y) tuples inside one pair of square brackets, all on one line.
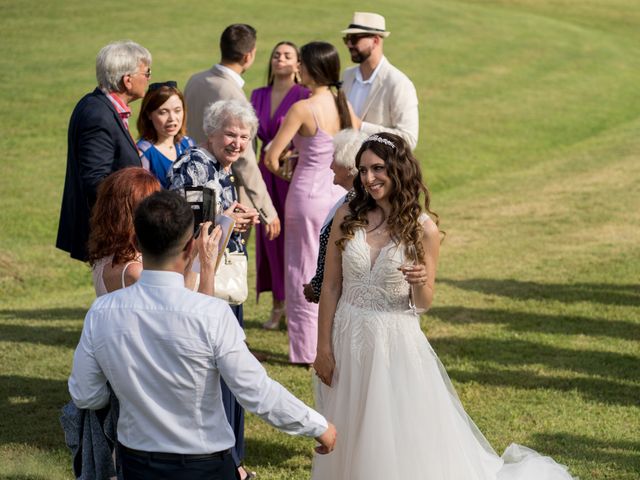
[(236, 41), (161, 223)]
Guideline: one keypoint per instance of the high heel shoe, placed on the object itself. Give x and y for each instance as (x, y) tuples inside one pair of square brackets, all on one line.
[(277, 316)]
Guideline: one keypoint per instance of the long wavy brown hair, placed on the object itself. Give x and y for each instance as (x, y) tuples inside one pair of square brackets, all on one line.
[(407, 187), (112, 215)]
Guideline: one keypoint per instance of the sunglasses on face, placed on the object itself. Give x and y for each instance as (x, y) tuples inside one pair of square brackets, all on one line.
[(355, 38), (157, 85)]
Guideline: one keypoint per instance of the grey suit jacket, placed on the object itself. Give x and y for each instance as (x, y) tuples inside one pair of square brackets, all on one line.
[(392, 104), (203, 89)]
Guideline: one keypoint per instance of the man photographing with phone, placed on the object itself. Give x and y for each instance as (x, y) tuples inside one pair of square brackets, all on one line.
[(229, 126), (163, 349)]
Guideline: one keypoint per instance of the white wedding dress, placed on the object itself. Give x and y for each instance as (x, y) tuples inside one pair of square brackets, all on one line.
[(394, 407)]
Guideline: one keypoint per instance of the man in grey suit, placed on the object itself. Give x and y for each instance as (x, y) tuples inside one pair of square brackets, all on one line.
[(381, 95), (224, 81)]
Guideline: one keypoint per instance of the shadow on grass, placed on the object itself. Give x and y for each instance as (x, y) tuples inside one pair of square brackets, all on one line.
[(600, 390), (543, 323), (25, 476), (604, 369), (605, 293), (281, 359), (624, 454), (44, 314), (514, 352), (57, 336), (276, 453), (39, 331), (30, 409)]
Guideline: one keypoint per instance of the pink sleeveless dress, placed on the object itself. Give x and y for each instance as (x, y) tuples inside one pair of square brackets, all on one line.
[(311, 195)]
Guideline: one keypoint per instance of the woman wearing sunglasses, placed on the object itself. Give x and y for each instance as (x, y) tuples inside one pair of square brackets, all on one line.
[(162, 125)]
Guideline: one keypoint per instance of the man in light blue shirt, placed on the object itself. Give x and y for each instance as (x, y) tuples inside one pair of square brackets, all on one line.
[(163, 348)]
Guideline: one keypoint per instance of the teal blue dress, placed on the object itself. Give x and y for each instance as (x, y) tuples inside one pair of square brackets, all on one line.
[(155, 161)]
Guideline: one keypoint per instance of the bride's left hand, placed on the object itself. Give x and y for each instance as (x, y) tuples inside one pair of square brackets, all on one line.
[(415, 274), (324, 365)]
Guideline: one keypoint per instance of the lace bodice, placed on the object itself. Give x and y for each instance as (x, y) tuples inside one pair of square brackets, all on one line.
[(379, 286)]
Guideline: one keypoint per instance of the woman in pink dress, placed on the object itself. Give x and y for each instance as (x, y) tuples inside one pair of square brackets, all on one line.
[(311, 124), (271, 104)]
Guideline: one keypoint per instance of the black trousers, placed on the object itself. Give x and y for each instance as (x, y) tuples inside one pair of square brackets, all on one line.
[(152, 466)]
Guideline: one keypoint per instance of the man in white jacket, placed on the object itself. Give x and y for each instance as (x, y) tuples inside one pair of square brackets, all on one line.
[(381, 95)]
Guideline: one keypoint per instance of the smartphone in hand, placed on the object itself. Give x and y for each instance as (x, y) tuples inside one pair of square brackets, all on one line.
[(203, 204)]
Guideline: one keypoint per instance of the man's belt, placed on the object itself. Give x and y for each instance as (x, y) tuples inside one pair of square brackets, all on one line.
[(175, 457)]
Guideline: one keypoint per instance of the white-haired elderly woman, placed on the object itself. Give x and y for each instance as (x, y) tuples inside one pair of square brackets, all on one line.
[(346, 144), (230, 125)]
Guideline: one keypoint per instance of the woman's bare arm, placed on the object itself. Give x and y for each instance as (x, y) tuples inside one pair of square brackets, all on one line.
[(329, 296)]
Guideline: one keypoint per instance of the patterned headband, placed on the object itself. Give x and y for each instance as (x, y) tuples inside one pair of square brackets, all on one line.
[(376, 138)]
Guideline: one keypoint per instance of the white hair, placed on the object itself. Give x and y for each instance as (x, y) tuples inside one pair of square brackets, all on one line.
[(118, 59), (218, 115), (346, 144)]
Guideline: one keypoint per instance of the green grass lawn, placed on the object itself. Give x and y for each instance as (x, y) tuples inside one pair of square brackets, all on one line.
[(530, 122)]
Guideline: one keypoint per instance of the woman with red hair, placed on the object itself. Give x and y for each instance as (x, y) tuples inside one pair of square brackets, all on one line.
[(115, 260)]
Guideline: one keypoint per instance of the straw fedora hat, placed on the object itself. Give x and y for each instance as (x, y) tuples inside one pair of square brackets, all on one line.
[(365, 22)]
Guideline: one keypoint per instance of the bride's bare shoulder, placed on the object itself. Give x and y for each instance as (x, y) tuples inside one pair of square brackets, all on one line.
[(429, 226)]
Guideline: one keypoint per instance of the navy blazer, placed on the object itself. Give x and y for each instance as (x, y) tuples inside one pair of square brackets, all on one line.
[(98, 144)]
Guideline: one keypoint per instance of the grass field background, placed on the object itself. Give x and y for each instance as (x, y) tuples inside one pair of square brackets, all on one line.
[(529, 139)]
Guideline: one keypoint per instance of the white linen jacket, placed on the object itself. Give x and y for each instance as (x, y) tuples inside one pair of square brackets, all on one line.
[(392, 104)]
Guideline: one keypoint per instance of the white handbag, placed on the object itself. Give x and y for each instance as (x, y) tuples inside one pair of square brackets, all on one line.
[(231, 278)]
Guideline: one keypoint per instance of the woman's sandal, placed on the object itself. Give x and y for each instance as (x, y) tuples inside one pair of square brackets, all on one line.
[(277, 316)]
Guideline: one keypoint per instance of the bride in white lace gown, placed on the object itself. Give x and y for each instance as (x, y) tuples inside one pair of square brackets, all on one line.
[(395, 410)]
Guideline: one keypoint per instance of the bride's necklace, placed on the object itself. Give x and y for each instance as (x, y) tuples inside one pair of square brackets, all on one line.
[(377, 230)]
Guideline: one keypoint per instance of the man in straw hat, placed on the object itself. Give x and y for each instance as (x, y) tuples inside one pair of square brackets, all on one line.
[(381, 95)]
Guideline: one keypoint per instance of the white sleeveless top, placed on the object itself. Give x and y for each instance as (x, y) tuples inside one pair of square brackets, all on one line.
[(98, 270)]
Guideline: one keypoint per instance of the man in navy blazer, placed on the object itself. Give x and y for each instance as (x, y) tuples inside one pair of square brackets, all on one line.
[(99, 140)]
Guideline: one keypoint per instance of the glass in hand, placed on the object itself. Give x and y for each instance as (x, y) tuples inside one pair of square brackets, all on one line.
[(411, 259)]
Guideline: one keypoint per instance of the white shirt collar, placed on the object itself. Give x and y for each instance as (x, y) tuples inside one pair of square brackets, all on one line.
[(236, 76), (373, 75), (161, 278)]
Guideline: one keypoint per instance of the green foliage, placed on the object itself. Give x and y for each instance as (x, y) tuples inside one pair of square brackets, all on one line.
[(529, 141)]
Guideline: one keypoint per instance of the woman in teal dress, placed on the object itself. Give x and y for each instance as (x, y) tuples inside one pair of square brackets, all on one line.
[(162, 127)]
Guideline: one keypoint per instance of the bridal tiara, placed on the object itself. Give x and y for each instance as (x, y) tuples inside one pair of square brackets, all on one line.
[(376, 138)]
